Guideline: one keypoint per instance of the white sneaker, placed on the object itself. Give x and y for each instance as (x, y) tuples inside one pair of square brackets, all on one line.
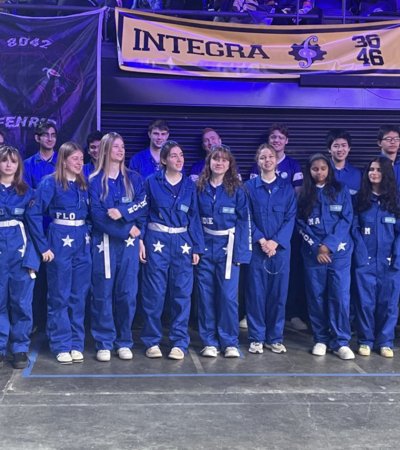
[(344, 353), (77, 356), (256, 347), (278, 347), (154, 352), (297, 324), (364, 350), (232, 352), (243, 323), (176, 353), (209, 351), (103, 355), (64, 358), (386, 352), (124, 353), (319, 349)]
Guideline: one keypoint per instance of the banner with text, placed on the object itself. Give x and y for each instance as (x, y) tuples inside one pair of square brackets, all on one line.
[(158, 44), (49, 69)]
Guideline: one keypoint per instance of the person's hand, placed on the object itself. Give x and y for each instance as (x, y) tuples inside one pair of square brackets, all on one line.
[(114, 213), (134, 231), (270, 248), (324, 255), (48, 256), (142, 252)]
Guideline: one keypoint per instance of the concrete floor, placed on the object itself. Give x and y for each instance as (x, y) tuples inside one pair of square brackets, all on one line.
[(264, 401)]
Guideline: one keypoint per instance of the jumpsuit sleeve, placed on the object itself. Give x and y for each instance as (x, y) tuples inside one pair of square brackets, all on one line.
[(396, 247), (341, 230), (256, 234), (284, 234), (195, 229), (27, 173), (308, 236), (243, 240), (98, 212), (34, 216), (136, 211), (31, 259), (360, 253)]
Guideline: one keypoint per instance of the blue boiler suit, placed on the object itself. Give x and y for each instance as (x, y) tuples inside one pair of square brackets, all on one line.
[(328, 285), (218, 294), (376, 236), (35, 168), (273, 213), (144, 163), (68, 275), (169, 258), (17, 255), (115, 260)]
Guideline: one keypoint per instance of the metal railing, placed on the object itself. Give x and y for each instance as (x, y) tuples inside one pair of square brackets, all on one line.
[(345, 17)]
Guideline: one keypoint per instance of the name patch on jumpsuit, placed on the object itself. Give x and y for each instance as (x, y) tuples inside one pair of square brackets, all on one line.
[(335, 208), (227, 210), (389, 220), (184, 208)]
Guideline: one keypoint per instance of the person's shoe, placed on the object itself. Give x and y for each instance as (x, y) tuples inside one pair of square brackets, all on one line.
[(319, 349), (176, 353), (77, 356), (344, 352), (232, 352), (278, 347), (256, 347), (154, 352), (243, 323), (297, 324), (64, 358), (103, 355), (124, 353), (209, 351), (364, 350), (20, 360), (386, 352)]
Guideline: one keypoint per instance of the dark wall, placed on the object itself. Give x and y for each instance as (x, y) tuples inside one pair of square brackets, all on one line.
[(243, 129)]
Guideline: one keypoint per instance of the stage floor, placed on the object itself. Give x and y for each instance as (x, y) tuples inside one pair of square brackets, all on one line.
[(288, 401)]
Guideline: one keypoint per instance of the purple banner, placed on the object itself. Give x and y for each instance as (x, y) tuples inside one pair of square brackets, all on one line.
[(49, 69)]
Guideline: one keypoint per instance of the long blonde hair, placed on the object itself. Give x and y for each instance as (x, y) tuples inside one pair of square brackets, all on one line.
[(66, 150), (103, 164)]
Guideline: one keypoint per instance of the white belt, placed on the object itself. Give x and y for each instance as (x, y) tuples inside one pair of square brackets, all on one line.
[(69, 223), (16, 223), (164, 229), (107, 263), (230, 232)]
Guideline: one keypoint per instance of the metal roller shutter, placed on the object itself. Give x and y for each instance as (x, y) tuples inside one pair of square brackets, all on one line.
[(243, 129)]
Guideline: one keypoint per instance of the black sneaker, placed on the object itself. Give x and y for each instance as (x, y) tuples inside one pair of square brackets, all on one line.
[(20, 360)]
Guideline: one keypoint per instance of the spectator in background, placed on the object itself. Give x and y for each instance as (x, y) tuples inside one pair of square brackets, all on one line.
[(146, 4), (339, 145), (93, 147), (209, 139), (147, 161), (308, 8)]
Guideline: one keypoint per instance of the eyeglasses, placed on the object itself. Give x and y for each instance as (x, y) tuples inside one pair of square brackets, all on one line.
[(218, 147), (391, 139)]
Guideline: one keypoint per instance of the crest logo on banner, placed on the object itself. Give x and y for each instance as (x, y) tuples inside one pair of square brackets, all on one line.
[(49, 69)]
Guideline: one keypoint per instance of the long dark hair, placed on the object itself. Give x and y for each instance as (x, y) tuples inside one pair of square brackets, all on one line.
[(388, 197), (231, 179), (308, 193), (6, 151)]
